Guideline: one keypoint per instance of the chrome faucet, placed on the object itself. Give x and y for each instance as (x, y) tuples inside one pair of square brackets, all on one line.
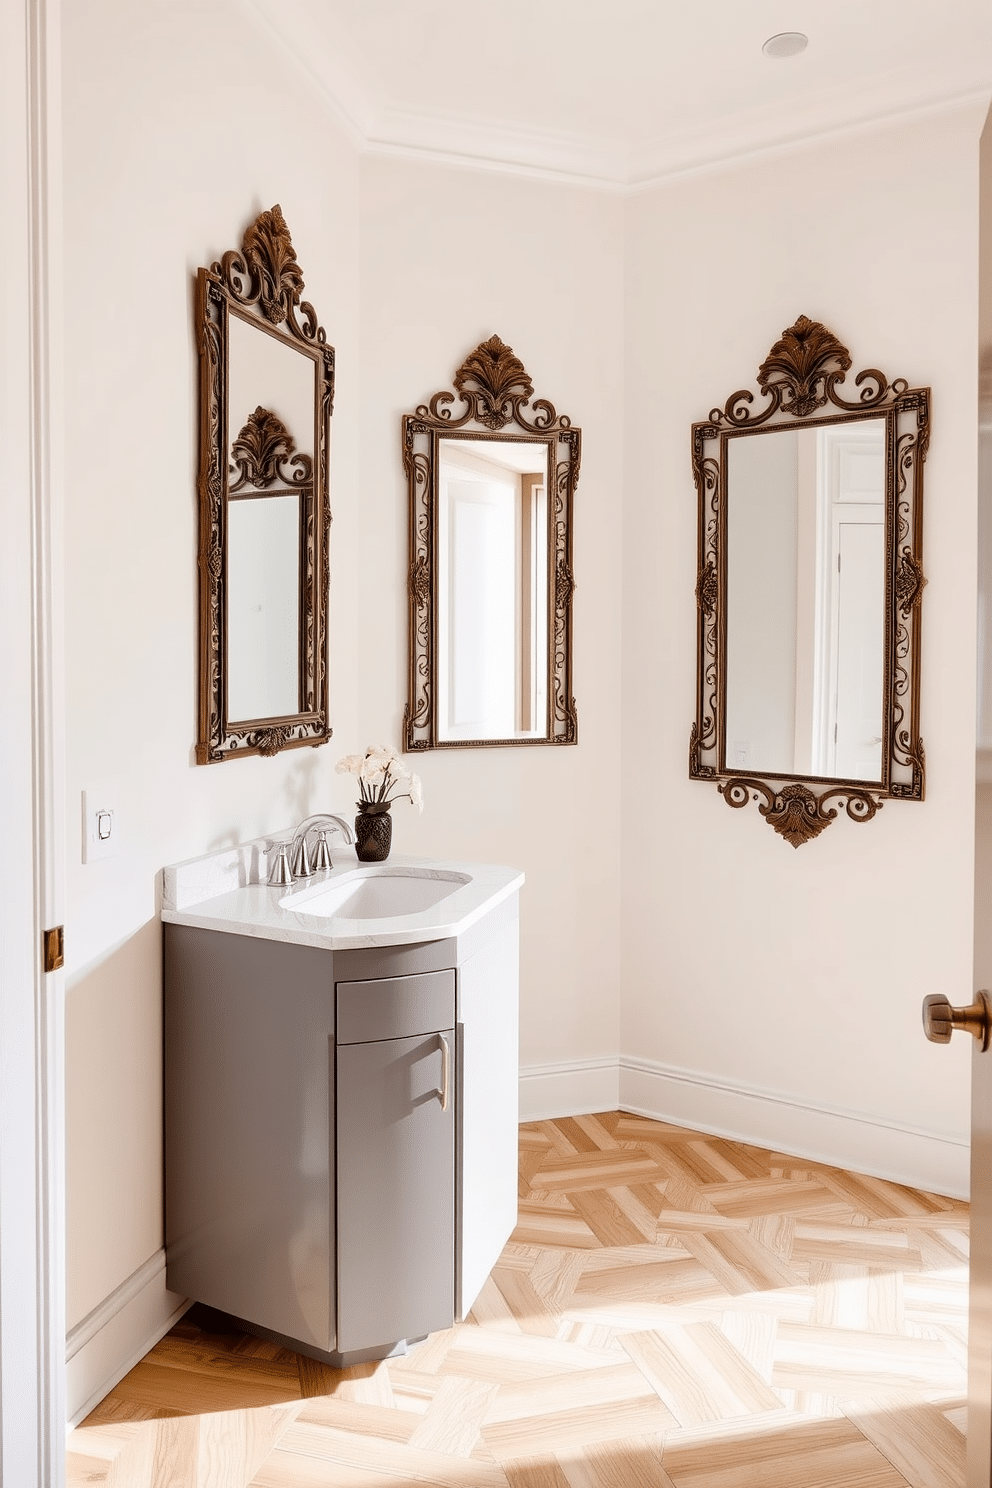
[(293, 859)]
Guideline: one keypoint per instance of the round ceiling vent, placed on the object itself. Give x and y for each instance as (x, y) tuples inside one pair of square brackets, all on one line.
[(785, 44)]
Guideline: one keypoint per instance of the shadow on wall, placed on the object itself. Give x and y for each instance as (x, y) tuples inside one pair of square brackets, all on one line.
[(300, 785), (298, 790), (113, 1119)]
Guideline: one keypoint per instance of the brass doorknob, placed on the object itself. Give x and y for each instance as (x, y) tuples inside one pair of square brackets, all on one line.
[(940, 1019)]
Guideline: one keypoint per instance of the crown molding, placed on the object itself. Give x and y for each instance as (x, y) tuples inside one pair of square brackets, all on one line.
[(728, 158), (468, 144), (816, 119)]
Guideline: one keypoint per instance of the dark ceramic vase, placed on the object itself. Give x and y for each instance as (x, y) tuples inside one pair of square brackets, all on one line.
[(373, 831)]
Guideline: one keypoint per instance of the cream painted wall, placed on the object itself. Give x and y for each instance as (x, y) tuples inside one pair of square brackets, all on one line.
[(800, 973), (181, 123), (449, 258)]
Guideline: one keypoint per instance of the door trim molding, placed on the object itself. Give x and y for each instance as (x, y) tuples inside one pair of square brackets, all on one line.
[(32, 877)]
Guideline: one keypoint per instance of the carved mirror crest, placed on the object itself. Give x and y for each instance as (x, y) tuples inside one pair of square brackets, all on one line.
[(491, 488), (810, 578), (266, 393)]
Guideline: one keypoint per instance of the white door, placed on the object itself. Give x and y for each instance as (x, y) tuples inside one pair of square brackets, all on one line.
[(979, 1474)]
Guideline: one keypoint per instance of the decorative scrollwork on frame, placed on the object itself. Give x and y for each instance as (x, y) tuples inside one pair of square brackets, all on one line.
[(910, 582), (800, 366), (497, 402), (420, 583), (707, 588), (261, 285), (795, 812), (801, 379), (265, 452), (494, 382), (266, 273)]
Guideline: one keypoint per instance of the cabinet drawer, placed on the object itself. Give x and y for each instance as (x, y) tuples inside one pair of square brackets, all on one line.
[(395, 1007)]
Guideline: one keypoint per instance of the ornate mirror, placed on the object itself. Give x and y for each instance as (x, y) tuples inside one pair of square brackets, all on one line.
[(490, 580), (809, 585), (266, 390)]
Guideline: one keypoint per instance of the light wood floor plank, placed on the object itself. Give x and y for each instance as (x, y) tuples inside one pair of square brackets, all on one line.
[(454, 1419), (821, 1454), (617, 1464), (407, 1463), (570, 1392), (569, 1430), (232, 1447), (535, 1472), (699, 1374), (916, 1437)]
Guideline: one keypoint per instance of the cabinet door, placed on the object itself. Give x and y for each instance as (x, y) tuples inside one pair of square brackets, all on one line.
[(395, 1190)]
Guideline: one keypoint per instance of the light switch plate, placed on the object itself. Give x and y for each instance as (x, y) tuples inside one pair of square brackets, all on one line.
[(101, 825)]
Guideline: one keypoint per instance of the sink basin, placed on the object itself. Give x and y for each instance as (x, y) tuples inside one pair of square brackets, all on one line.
[(376, 894)]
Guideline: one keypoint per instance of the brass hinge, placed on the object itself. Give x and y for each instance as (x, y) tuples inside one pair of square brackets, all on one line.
[(53, 948)]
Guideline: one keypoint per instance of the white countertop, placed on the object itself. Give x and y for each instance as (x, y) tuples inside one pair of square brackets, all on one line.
[(221, 892)]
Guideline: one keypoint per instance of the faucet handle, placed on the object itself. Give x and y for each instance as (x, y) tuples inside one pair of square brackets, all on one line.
[(280, 873), (301, 866), (322, 857)]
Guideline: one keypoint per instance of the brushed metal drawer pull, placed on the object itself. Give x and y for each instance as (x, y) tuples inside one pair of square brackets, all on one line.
[(444, 1093)]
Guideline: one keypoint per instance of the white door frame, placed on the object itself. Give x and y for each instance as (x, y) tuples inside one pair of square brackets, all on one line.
[(32, 1105)]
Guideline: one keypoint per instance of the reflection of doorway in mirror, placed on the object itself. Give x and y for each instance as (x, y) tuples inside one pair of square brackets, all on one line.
[(806, 601), (492, 590), (849, 663)]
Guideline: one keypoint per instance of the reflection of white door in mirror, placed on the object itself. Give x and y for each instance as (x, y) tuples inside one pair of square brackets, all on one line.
[(806, 601), (263, 606), (492, 598)]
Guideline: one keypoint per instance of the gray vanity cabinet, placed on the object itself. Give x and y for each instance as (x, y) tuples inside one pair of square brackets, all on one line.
[(340, 1130)]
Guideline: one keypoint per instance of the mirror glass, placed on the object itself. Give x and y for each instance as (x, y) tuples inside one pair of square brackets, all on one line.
[(265, 561), (491, 474), (806, 600), (266, 370), (492, 597), (263, 606), (266, 391)]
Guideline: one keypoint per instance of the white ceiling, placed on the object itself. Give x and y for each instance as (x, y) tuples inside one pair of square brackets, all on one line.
[(624, 92)]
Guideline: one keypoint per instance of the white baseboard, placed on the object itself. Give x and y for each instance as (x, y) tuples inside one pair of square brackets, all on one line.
[(844, 1138), (574, 1087), (111, 1339)]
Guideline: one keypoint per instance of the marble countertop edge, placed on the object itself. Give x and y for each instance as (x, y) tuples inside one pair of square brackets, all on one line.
[(221, 892)]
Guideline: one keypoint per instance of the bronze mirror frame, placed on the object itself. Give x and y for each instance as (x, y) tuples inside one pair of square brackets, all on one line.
[(494, 388), (260, 284), (800, 378)]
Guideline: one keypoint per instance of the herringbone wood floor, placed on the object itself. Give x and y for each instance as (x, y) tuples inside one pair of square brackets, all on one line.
[(672, 1309)]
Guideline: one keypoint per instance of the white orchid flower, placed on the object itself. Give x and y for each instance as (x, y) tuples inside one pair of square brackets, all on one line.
[(381, 753), (350, 764)]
